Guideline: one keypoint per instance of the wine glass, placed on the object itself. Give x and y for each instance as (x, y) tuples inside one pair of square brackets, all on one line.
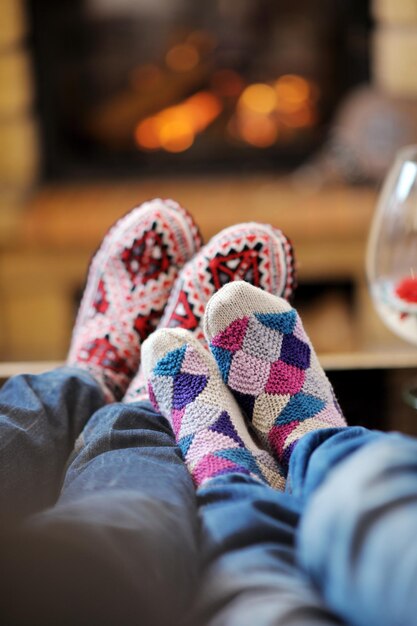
[(391, 261)]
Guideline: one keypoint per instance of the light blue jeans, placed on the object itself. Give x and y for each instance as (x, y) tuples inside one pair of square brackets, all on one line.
[(109, 533)]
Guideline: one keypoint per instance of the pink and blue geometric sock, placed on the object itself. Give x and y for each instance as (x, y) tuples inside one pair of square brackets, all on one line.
[(185, 386), (267, 361)]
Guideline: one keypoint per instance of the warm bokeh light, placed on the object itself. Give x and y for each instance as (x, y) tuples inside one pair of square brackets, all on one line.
[(227, 83), (147, 135), (182, 58), (173, 129), (259, 98), (260, 131), (203, 108), (176, 135), (264, 113), (292, 92)]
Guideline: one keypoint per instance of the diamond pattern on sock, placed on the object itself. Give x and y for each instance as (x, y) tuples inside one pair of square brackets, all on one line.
[(266, 407), (129, 281), (205, 418), (186, 388), (284, 378), (261, 341), (257, 373), (203, 413), (282, 391)]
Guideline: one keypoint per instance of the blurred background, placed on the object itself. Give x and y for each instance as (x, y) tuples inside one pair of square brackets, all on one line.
[(283, 112)]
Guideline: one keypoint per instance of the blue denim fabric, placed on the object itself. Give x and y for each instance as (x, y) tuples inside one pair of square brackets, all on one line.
[(40, 417), (251, 575), (342, 537), (128, 495), (120, 543), (358, 535)]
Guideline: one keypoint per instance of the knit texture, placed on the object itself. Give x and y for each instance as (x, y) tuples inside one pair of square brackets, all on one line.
[(186, 387), (267, 361), (256, 253), (128, 284)]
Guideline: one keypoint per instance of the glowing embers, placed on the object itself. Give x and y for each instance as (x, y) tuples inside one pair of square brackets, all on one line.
[(266, 111), (174, 129)]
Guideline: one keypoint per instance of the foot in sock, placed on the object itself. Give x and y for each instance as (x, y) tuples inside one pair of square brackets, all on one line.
[(256, 253), (186, 387), (267, 361), (129, 281)]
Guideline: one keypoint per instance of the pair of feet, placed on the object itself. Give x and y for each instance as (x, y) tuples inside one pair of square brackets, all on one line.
[(243, 406), (151, 273)]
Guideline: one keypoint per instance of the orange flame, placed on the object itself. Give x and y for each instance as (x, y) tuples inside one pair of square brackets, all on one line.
[(264, 110), (258, 98), (174, 128)]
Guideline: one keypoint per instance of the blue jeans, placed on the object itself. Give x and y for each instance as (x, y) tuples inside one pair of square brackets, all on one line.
[(340, 542), (108, 534)]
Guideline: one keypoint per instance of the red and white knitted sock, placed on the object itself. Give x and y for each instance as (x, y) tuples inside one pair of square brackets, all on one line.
[(186, 387), (266, 359), (256, 253), (129, 282)]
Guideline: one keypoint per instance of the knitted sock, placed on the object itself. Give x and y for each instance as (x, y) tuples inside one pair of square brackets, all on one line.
[(129, 281), (268, 362), (256, 253), (186, 387)]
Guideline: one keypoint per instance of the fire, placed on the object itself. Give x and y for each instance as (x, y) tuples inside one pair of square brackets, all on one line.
[(176, 135), (293, 93), (174, 129), (258, 130), (265, 108), (258, 98), (263, 112)]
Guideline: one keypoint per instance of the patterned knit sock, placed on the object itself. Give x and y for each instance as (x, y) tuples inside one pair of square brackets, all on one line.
[(268, 362), (186, 387), (129, 281), (256, 253)]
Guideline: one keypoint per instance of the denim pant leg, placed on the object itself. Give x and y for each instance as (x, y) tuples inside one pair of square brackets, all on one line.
[(40, 418), (358, 535), (128, 509), (250, 574)]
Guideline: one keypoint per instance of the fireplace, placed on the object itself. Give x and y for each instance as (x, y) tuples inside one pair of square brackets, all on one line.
[(145, 87)]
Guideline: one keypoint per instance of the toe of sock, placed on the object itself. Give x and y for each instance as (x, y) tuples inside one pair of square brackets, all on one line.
[(238, 300)]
